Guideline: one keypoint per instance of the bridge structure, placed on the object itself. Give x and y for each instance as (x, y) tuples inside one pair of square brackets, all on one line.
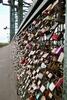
[(18, 10)]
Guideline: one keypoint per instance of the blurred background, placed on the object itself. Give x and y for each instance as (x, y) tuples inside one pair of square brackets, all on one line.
[(11, 14)]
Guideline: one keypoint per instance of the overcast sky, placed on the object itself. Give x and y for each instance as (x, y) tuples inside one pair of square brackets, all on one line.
[(4, 21)]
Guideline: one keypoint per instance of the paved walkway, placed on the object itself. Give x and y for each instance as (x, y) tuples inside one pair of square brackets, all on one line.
[(7, 76)]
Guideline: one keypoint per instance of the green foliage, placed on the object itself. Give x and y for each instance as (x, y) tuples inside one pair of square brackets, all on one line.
[(3, 44)]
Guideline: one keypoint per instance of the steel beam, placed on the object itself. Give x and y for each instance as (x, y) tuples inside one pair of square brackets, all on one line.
[(20, 12), (16, 14), (26, 3), (31, 11), (12, 20), (40, 8)]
